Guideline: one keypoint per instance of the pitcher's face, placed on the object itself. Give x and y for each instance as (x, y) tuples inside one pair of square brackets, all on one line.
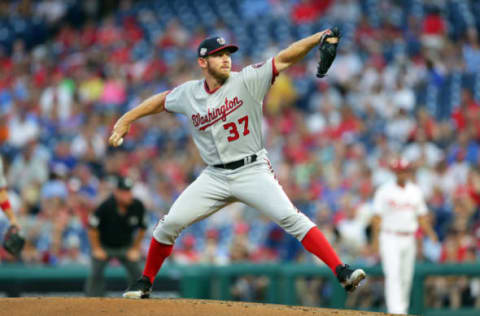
[(219, 65)]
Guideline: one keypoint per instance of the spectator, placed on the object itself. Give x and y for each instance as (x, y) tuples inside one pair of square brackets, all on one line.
[(403, 97), (344, 10), (23, 127), (30, 168), (56, 100), (471, 51), (213, 253), (434, 29), (187, 253), (423, 152), (351, 229)]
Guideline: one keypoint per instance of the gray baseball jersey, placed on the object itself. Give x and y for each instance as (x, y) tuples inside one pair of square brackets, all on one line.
[(226, 127), (226, 123)]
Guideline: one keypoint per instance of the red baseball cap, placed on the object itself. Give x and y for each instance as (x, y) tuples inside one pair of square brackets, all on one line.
[(399, 164)]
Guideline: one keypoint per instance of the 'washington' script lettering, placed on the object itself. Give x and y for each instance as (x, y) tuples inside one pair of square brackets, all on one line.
[(215, 114)]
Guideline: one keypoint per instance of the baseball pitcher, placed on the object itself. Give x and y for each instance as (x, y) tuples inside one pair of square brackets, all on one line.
[(225, 114), (399, 209)]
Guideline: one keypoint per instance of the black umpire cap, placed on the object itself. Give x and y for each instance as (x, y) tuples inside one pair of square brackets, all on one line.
[(212, 45), (120, 182)]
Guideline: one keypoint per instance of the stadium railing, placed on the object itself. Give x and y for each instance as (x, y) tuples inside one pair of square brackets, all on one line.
[(214, 282)]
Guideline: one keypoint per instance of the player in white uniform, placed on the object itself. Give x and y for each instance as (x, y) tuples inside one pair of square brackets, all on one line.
[(399, 208), (225, 115), (4, 200)]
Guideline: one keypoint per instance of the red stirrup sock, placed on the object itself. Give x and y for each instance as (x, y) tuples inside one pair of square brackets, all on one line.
[(315, 242), (157, 253)]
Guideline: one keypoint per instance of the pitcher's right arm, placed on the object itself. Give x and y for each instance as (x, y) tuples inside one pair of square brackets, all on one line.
[(153, 105)]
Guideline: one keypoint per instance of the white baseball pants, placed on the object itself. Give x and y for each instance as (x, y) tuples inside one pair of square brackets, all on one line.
[(398, 262), (253, 184)]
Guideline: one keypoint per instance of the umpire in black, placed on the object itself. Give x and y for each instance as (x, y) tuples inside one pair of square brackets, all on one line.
[(116, 230)]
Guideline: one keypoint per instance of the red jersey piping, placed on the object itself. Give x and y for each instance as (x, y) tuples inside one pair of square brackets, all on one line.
[(208, 90), (274, 71)]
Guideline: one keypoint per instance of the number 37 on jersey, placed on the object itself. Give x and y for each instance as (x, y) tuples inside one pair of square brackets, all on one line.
[(233, 127)]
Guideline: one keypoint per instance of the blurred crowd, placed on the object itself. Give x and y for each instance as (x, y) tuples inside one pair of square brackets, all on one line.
[(405, 81)]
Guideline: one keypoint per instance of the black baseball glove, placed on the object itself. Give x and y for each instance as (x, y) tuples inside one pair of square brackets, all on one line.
[(13, 242), (328, 51)]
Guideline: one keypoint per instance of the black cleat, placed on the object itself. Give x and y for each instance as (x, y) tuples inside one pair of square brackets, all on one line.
[(140, 289), (348, 277)]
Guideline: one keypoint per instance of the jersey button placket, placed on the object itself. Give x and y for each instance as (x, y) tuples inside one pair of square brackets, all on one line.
[(216, 142)]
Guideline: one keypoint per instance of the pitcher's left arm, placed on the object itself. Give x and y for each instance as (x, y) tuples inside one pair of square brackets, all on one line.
[(297, 50)]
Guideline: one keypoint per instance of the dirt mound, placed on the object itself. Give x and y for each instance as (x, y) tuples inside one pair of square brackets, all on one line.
[(166, 307)]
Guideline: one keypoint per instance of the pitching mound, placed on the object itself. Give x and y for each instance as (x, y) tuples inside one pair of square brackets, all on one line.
[(166, 307)]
